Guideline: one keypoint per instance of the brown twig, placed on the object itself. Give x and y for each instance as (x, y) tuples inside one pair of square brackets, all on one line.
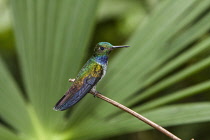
[(135, 114)]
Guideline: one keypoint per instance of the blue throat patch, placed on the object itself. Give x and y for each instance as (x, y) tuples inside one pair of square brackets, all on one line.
[(102, 59)]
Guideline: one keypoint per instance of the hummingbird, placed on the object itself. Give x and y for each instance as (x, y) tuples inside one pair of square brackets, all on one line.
[(88, 77)]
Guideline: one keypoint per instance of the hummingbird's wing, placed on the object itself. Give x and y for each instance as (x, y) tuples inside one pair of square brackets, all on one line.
[(82, 85)]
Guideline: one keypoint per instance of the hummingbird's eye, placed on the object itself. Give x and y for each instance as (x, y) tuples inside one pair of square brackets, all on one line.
[(101, 48)]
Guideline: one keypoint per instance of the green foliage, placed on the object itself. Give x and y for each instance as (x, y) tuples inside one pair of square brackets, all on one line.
[(52, 38)]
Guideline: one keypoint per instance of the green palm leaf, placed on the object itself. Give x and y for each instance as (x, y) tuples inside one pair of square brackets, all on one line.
[(52, 40)]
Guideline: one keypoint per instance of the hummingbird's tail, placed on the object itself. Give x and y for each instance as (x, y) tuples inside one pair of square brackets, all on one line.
[(71, 98), (66, 101), (75, 94), (58, 104)]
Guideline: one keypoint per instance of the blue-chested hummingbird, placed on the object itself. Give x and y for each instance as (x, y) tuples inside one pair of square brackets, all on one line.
[(90, 74)]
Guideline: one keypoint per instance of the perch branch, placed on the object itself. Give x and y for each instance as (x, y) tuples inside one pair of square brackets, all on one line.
[(132, 112)]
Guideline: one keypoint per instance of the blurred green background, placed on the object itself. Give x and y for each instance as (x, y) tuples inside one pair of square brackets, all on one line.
[(164, 75)]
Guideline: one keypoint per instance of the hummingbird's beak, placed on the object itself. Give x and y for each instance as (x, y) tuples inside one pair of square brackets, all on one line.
[(113, 47)]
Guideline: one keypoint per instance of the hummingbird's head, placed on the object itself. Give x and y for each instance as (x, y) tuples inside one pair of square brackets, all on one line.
[(104, 48)]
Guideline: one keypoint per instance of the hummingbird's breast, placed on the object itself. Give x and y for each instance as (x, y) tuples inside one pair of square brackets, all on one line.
[(103, 61)]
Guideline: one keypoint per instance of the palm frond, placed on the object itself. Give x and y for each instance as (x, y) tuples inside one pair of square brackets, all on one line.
[(13, 107), (52, 40)]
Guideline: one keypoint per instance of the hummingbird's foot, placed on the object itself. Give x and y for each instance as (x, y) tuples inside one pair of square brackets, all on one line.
[(71, 80), (94, 91), (94, 95)]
